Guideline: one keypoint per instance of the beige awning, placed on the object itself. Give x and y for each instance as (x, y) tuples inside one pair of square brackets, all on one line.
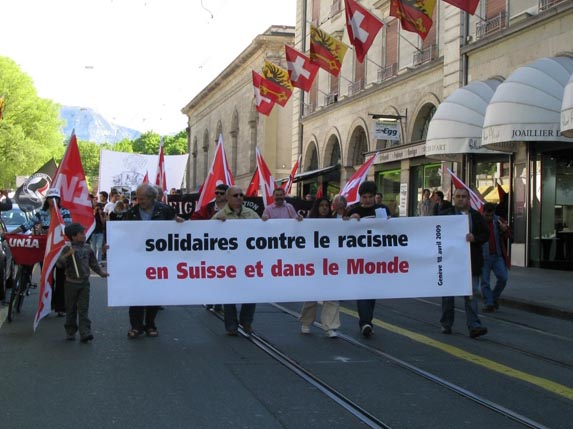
[(527, 105), (456, 127), (567, 110)]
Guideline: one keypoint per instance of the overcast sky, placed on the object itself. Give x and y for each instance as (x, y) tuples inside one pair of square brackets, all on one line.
[(136, 62)]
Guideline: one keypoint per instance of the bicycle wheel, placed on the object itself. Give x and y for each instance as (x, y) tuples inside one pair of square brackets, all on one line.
[(25, 279), (16, 285)]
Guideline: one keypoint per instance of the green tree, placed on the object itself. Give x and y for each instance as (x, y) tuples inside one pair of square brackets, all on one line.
[(90, 154), (30, 129), (147, 143), (177, 144)]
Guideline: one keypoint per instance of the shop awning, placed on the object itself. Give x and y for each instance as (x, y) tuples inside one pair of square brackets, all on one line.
[(456, 127), (567, 110), (307, 175), (527, 105)]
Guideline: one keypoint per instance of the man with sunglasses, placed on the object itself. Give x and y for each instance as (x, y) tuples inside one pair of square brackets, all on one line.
[(207, 211), (233, 210)]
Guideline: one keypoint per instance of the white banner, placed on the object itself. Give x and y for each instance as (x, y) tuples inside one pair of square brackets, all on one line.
[(128, 169), (196, 262)]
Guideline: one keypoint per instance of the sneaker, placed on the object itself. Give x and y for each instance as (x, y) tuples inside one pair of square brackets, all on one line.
[(446, 330), (367, 330), (478, 332), (304, 329), (247, 328), (87, 338), (331, 333), (232, 333), (490, 308)]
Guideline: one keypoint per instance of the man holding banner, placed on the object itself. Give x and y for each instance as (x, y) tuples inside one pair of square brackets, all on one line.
[(478, 235)]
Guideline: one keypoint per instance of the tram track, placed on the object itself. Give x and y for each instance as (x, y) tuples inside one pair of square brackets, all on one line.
[(473, 397)]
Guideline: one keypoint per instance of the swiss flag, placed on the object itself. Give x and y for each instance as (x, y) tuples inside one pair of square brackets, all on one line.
[(253, 189), (54, 245), (70, 180), (264, 104), (362, 28), (219, 173), (468, 6), (350, 190), (476, 202), (300, 70), (160, 179), (266, 181)]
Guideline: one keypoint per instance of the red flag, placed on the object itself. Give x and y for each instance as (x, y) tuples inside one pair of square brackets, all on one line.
[(288, 184), (319, 191), (469, 6), (266, 181), (350, 190), (476, 202), (54, 245), (160, 179), (70, 180), (264, 104), (253, 189), (146, 177), (414, 15), (301, 71), (362, 28), (219, 173)]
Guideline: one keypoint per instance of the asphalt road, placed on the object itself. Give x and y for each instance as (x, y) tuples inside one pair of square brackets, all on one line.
[(194, 376)]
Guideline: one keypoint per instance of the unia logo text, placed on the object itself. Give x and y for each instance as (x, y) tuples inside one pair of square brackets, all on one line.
[(27, 242), (69, 190)]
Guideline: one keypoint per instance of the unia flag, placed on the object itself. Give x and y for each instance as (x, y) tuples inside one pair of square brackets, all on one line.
[(476, 202), (54, 245)]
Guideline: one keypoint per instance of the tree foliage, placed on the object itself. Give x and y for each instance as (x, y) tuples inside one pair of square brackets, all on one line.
[(30, 129)]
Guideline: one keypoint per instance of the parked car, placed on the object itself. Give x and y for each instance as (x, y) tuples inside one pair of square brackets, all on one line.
[(15, 217), (7, 269)]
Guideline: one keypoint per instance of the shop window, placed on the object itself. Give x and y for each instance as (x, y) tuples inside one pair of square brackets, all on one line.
[(388, 183)]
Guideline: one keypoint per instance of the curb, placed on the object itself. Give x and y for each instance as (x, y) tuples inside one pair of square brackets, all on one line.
[(543, 310)]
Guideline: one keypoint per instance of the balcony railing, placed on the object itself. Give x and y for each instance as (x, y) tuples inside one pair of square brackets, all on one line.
[(386, 73), (492, 25), (331, 98), (548, 4), (336, 7), (425, 55), (355, 87)]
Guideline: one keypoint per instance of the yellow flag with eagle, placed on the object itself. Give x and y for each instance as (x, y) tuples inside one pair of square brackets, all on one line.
[(275, 84), (414, 15), (326, 51)]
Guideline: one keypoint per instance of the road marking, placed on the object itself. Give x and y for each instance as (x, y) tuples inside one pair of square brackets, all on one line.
[(551, 386)]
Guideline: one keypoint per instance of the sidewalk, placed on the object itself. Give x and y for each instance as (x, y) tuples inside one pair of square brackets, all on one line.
[(542, 291)]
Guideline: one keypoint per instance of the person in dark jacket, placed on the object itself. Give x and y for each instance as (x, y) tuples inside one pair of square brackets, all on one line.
[(438, 203), (478, 235), (77, 259), (142, 318)]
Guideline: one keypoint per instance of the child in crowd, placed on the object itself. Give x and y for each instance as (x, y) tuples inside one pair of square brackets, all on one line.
[(77, 259)]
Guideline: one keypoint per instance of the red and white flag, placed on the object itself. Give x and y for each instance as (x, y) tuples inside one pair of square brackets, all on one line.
[(70, 180), (287, 185), (362, 28), (146, 177), (263, 104), (54, 245), (301, 71), (476, 202), (266, 181), (219, 174), (160, 179), (350, 190), (469, 6), (253, 189)]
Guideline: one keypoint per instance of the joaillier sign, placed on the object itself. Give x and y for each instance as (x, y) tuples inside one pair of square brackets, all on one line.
[(195, 262)]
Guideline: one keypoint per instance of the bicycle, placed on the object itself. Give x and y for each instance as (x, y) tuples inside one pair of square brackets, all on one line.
[(27, 250)]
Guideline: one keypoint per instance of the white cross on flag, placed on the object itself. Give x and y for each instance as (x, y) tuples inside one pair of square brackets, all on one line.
[(263, 104), (301, 71), (362, 28)]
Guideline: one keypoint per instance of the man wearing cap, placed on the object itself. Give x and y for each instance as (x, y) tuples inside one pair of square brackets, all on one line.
[(142, 318), (77, 259)]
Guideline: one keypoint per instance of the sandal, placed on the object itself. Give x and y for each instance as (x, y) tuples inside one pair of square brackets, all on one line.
[(152, 332), (133, 333)]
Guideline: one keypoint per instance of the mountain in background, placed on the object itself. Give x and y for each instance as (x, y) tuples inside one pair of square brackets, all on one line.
[(92, 127)]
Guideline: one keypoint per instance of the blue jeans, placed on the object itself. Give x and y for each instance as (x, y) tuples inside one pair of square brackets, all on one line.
[(497, 264), (471, 305), (96, 241), (365, 309), (245, 317)]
